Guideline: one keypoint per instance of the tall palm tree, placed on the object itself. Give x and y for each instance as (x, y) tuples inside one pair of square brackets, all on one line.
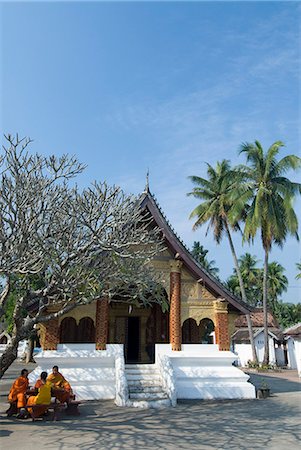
[(270, 195), (218, 193)]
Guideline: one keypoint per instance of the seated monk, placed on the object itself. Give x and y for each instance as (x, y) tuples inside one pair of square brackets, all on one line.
[(61, 387), (17, 395), (42, 398)]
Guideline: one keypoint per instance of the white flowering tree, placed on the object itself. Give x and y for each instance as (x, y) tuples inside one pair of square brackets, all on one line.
[(78, 245)]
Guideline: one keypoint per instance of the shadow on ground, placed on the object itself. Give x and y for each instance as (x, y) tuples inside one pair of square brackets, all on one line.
[(271, 424), (277, 385)]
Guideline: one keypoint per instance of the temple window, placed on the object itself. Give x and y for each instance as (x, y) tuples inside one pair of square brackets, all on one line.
[(86, 330), (68, 331)]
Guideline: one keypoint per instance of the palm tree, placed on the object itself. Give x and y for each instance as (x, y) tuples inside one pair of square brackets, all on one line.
[(298, 276), (270, 195), (251, 279), (218, 194), (199, 253), (277, 282)]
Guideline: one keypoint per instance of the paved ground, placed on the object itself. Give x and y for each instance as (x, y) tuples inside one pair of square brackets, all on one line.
[(271, 424)]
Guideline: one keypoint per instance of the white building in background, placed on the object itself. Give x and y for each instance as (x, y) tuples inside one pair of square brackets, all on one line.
[(240, 342), (293, 338)]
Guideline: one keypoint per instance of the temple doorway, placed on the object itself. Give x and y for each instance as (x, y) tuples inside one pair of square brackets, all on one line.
[(138, 329), (132, 349)]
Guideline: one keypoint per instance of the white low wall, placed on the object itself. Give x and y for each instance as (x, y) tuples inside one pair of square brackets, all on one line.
[(203, 372), (90, 372), (244, 351)]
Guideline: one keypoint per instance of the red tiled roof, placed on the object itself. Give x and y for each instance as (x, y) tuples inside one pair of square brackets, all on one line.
[(257, 320)]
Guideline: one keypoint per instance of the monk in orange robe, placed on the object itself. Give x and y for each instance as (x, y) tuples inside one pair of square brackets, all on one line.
[(42, 398), (17, 393), (61, 386)]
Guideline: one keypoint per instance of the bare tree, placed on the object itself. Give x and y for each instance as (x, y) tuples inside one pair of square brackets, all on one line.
[(82, 245)]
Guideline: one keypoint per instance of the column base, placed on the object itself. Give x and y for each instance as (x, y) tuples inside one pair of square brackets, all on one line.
[(176, 347), (100, 346)]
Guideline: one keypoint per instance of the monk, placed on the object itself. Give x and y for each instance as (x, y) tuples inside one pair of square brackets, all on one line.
[(42, 398), (17, 394), (61, 386)]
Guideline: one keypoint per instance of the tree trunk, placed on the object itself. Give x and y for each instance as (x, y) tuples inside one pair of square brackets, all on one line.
[(266, 357), (29, 351), (9, 355), (243, 293), (22, 330)]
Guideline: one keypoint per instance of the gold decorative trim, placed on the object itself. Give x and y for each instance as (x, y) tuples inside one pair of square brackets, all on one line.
[(220, 306), (175, 265)]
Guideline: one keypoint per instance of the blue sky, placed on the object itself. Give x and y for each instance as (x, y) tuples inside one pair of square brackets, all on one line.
[(159, 85)]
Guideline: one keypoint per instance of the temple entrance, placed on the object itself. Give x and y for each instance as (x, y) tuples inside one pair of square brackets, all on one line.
[(132, 340), (138, 329)]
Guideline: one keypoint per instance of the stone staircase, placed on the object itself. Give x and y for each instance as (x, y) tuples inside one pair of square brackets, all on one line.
[(145, 386)]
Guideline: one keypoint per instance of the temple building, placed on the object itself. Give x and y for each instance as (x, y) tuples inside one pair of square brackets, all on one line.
[(199, 324)]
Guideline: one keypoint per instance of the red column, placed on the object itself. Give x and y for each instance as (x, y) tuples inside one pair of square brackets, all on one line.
[(52, 335), (175, 331), (101, 325), (222, 325)]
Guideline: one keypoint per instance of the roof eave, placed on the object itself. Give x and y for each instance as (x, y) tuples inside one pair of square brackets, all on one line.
[(147, 200)]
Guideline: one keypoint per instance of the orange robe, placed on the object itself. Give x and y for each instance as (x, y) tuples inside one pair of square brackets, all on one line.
[(38, 384), (63, 387), (43, 398), (18, 392)]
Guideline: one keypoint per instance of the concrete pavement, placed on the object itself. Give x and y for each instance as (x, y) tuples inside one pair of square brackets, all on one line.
[(271, 424)]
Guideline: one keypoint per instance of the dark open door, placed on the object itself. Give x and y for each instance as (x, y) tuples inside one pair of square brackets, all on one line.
[(133, 340)]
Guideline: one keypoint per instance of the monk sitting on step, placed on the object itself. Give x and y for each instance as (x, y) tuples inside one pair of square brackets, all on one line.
[(17, 395), (43, 397), (61, 387)]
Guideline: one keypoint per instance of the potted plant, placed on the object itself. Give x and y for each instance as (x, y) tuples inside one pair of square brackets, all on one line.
[(263, 391)]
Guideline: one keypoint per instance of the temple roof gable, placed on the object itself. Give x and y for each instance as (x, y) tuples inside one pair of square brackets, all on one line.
[(180, 251)]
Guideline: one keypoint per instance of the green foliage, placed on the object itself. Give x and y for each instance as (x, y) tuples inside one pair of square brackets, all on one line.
[(287, 314), (269, 194), (252, 364), (219, 192), (253, 278), (19, 284), (298, 276), (199, 253)]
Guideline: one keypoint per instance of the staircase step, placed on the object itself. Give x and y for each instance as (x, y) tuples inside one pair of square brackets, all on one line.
[(145, 386), (151, 404), (148, 396), (144, 377), (140, 382), (139, 388), (140, 366), (142, 372)]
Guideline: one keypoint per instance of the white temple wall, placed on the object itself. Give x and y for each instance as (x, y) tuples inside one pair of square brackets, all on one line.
[(90, 372), (203, 372)]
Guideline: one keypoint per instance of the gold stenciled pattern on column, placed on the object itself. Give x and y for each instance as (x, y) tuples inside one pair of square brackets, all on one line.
[(222, 324), (101, 330), (175, 305)]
